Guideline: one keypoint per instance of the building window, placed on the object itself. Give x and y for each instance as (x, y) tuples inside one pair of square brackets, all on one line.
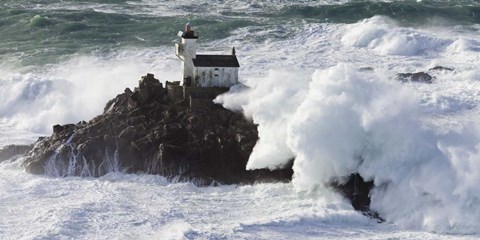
[(216, 75), (216, 69)]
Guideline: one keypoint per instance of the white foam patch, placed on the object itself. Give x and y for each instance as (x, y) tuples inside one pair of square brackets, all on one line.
[(464, 44), (171, 231), (383, 36)]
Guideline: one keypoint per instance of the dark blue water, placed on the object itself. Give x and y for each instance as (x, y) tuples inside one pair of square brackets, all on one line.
[(41, 32)]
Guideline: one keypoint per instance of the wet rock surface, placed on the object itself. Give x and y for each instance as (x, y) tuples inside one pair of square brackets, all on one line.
[(141, 131), (421, 77), (357, 190), (11, 151), (441, 68)]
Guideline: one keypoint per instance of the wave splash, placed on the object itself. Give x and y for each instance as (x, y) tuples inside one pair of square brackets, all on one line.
[(343, 121), (74, 90), (77, 165)]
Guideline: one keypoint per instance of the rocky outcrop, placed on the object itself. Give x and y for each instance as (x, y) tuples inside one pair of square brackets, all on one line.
[(141, 131), (441, 68), (357, 190), (421, 77), (11, 151)]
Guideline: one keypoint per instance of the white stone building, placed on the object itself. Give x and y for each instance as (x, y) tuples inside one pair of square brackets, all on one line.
[(205, 70)]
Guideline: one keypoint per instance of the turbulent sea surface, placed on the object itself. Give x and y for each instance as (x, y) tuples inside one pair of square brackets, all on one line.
[(323, 90)]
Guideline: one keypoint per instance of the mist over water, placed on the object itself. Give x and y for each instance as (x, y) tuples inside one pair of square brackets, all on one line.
[(321, 87)]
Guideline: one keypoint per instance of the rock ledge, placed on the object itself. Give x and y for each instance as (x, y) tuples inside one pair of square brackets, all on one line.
[(143, 131)]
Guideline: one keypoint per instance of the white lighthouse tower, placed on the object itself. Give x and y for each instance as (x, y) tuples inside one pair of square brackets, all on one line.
[(186, 51)]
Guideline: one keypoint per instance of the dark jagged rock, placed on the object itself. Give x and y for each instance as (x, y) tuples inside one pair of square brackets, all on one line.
[(357, 190), (10, 151), (421, 77), (366, 69), (440, 68), (141, 131)]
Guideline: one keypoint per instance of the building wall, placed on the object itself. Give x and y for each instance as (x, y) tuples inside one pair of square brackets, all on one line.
[(210, 92), (200, 97), (215, 76)]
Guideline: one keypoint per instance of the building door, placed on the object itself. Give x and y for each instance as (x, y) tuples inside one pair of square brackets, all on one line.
[(216, 78)]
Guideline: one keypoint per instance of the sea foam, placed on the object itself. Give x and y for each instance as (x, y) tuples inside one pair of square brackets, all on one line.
[(345, 121), (384, 36)]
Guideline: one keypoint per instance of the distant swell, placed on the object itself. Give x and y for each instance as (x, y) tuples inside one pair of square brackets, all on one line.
[(69, 27), (408, 12)]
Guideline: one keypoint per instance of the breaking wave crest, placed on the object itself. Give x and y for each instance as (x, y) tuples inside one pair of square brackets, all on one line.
[(384, 36), (342, 121)]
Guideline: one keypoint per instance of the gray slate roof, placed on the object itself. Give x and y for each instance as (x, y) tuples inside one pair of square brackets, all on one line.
[(216, 61)]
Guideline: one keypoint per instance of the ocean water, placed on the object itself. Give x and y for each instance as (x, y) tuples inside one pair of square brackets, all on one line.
[(322, 89)]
